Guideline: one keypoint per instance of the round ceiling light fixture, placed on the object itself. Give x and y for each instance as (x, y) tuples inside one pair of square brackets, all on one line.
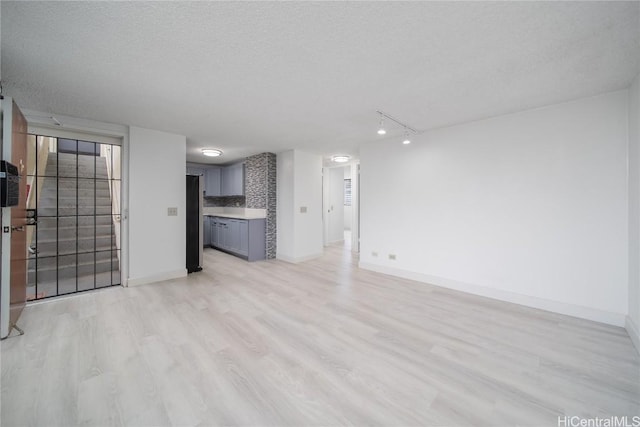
[(340, 159), (210, 152)]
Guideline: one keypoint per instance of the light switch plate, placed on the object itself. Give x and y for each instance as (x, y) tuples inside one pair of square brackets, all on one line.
[(303, 209), (172, 211)]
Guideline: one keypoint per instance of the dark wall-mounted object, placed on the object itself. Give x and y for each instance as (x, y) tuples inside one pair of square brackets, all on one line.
[(10, 183)]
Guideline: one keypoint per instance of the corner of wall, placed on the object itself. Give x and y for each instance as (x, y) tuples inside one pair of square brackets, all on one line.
[(634, 332), (633, 186)]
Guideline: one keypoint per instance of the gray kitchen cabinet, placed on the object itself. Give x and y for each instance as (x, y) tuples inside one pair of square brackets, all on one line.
[(243, 233), (242, 237), (223, 233), (206, 231), (212, 182), (233, 180), (233, 244), (214, 231)]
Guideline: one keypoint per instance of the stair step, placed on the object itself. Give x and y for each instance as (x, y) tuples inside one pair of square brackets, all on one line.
[(69, 246), (52, 202), (70, 236), (81, 192), (46, 234), (67, 256), (100, 163), (68, 285), (50, 184), (51, 222), (72, 159), (73, 174), (83, 267), (72, 211)]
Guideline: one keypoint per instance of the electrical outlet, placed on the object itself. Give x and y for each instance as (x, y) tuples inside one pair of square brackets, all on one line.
[(172, 211), (375, 254), (303, 209), (392, 257)]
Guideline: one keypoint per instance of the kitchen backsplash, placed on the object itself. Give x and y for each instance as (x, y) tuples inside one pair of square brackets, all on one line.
[(225, 202)]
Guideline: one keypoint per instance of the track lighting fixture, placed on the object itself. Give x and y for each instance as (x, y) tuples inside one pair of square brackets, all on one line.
[(407, 128)]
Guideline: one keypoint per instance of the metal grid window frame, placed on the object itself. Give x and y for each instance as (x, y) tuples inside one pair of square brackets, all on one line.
[(113, 250)]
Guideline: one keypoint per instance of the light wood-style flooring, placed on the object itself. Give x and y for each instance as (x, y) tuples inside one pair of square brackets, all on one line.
[(319, 343)]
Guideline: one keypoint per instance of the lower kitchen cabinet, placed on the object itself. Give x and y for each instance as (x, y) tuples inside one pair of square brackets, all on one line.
[(206, 230), (213, 231), (242, 237)]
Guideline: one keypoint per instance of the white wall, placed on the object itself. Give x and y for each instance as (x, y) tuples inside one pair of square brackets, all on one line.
[(299, 185), (633, 321), (157, 242), (528, 207), (284, 205)]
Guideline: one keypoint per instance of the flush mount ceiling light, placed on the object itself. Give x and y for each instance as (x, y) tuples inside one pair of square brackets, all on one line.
[(211, 152), (407, 128), (340, 159)]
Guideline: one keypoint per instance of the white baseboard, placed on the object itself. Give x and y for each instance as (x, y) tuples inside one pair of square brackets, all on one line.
[(610, 318), (634, 332), (297, 260), (168, 275)]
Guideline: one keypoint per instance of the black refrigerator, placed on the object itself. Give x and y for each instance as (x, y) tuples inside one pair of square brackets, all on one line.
[(194, 223)]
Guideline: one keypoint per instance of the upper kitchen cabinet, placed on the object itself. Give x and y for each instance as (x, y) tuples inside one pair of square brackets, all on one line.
[(233, 180), (195, 170), (212, 182)]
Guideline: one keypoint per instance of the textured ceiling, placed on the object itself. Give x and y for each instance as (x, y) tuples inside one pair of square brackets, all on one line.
[(249, 77)]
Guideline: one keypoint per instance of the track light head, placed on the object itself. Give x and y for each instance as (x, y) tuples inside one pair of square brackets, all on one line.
[(406, 140), (381, 130)]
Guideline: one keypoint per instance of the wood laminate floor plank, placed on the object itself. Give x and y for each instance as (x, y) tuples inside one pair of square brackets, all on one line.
[(317, 343)]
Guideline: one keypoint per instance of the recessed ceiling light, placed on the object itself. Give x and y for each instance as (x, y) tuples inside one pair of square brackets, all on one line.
[(211, 152), (406, 141), (340, 159)]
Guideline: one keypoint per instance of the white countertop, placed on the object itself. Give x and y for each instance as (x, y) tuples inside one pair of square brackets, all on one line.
[(236, 213)]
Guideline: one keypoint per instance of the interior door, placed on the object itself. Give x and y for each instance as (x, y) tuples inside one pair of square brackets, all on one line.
[(14, 222)]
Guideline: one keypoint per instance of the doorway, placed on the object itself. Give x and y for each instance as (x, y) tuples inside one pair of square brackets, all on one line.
[(73, 211), (340, 203)]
